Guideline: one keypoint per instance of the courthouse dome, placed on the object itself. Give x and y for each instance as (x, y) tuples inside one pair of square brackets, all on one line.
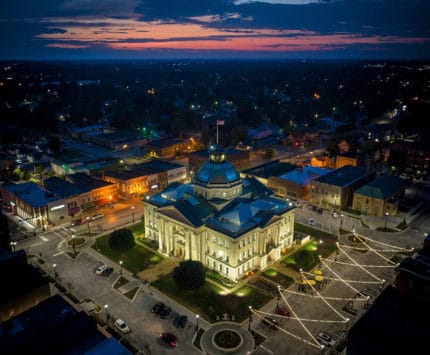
[(217, 170)]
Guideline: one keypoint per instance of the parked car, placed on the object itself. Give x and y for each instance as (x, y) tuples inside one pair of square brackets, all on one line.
[(311, 221), (270, 322), (97, 216), (107, 272), (165, 312), (180, 321), (320, 210), (334, 214), (169, 339), (283, 312), (325, 339), (122, 326), (157, 308), (101, 269)]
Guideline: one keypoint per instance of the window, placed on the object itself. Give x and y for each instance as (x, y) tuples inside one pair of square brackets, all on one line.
[(220, 267), (226, 270)]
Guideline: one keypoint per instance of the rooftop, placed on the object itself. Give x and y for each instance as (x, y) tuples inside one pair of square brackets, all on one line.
[(382, 187), (303, 176), (273, 168), (61, 187), (343, 176), (31, 193)]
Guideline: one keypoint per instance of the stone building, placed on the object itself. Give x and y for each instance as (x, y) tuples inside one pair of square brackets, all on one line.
[(231, 224)]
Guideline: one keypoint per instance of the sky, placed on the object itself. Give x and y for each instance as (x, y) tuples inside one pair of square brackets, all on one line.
[(165, 29)]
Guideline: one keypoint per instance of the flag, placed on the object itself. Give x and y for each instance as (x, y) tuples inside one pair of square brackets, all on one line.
[(220, 122)]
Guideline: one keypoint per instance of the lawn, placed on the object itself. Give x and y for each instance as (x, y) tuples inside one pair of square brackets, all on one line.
[(211, 301), (134, 260), (307, 256), (278, 277), (137, 229)]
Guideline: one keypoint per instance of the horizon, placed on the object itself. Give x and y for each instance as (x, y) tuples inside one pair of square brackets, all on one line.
[(215, 29)]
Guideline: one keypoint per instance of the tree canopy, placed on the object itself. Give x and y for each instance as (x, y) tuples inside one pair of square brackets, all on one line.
[(121, 239), (189, 275)]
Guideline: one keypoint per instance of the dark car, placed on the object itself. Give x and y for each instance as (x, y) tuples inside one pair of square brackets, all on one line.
[(107, 271), (169, 339), (270, 322), (165, 312), (320, 210), (180, 321), (157, 308)]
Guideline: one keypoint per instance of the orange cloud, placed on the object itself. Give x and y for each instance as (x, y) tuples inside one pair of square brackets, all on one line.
[(132, 34)]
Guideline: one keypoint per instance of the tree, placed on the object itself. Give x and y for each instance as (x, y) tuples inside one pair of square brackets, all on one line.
[(189, 275), (121, 239)]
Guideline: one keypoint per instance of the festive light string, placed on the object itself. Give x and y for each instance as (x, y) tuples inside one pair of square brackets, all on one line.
[(302, 319), (327, 298), (316, 344), (360, 266), (342, 280), (381, 243), (377, 253), (350, 281), (355, 264), (322, 298), (295, 315), (379, 250)]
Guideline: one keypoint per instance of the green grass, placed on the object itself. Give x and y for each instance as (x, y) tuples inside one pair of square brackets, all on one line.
[(137, 229), (134, 260), (211, 301), (120, 282), (278, 277), (130, 294)]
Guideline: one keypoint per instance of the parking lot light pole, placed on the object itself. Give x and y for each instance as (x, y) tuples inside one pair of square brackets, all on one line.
[(132, 212), (55, 272), (250, 318), (107, 315), (278, 296), (73, 245), (88, 223), (120, 264), (197, 322), (386, 219)]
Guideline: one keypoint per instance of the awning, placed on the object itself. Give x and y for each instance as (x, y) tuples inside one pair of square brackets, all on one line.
[(311, 282), (88, 205), (319, 278), (74, 210), (317, 272)]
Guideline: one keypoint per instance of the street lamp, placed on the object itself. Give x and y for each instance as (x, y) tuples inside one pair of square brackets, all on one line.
[(250, 318), (386, 217), (107, 315), (197, 322), (55, 272), (341, 220), (73, 245), (13, 245), (88, 223), (120, 264), (132, 212)]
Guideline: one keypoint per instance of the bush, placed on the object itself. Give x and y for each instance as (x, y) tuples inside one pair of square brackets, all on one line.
[(121, 239)]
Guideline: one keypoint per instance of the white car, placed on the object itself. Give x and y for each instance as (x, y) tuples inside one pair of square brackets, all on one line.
[(122, 326), (311, 221), (97, 216), (325, 339), (101, 269)]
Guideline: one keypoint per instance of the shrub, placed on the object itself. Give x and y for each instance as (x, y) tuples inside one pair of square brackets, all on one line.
[(189, 275)]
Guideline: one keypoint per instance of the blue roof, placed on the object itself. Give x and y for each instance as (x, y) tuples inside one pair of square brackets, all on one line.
[(31, 193), (217, 173), (303, 176), (343, 176)]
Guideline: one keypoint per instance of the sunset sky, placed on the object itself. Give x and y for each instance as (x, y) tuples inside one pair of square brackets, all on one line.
[(296, 29)]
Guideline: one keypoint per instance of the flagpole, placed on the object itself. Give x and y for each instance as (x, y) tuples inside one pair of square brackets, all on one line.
[(216, 131)]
